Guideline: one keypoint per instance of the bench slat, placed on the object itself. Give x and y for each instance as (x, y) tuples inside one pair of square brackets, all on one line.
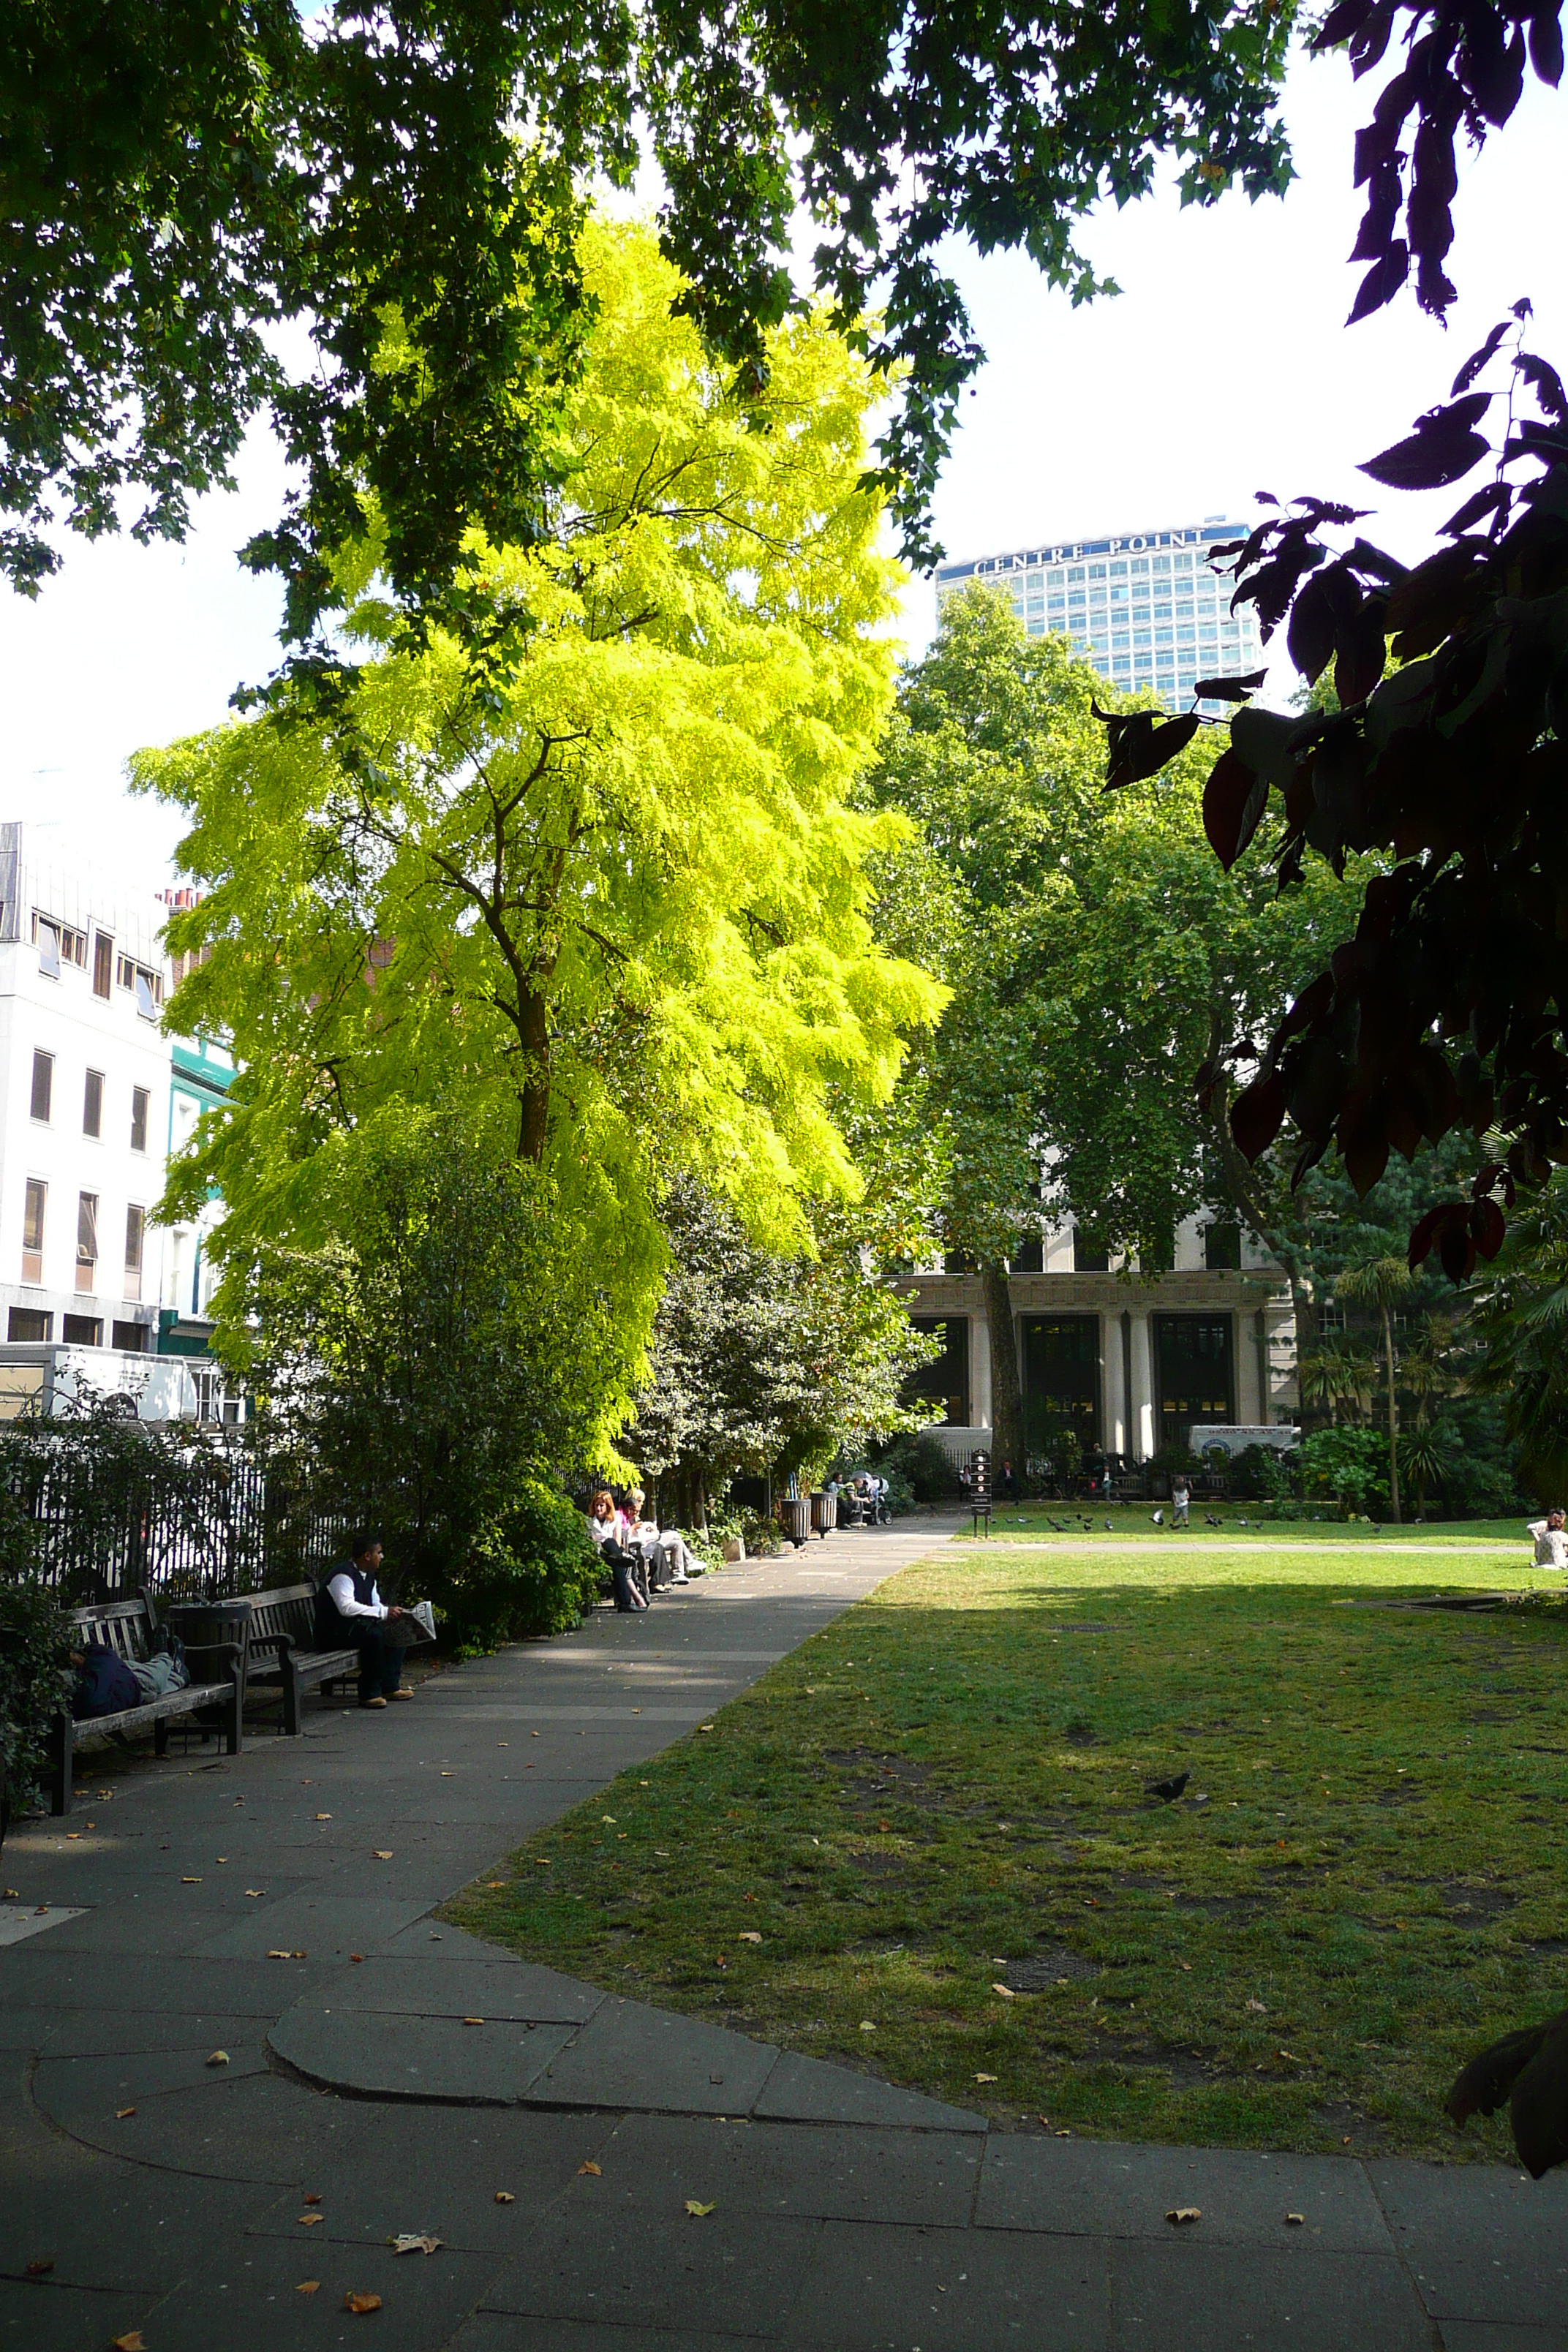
[(180, 1702)]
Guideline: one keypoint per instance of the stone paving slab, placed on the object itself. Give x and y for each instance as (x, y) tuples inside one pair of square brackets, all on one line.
[(953, 2291), (488, 2063), (67, 2088), (808, 2090), (39, 2316), (629, 2055), (924, 2179), (408, 1984), (329, 1927), (1482, 2243), (1113, 2190), (247, 2297), (494, 2331), (1482, 2335), (261, 2129), (661, 2270), (1186, 2296)]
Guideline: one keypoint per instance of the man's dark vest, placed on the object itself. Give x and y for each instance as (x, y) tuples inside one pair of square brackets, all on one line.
[(332, 1627)]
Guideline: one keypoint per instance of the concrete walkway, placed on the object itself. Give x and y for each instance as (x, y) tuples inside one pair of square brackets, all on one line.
[(275, 1907)]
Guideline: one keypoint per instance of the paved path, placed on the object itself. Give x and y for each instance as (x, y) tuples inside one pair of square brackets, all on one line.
[(168, 2195)]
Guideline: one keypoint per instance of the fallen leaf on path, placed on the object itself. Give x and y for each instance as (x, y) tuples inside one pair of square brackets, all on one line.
[(1180, 2214), (697, 2210), (185, 1881), (1006, 1991), (130, 2342), (493, 1883), (120, 2114), (356, 1956), (361, 2304), (588, 2165), (379, 1853), (309, 2220), (256, 1890), (1296, 2220), (473, 2020), (309, 2287), (985, 2078), (323, 1817), (412, 2242), (218, 2058), (41, 2268), (541, 1862), (311, 2197), (505, 2197)]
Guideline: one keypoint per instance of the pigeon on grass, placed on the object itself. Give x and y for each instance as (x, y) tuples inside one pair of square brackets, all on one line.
[(1158, 1517), (1167, 1791), (1529, 2069)]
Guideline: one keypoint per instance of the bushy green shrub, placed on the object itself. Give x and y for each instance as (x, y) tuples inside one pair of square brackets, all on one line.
[(1261, 1474), (1348, 1465), (35, 1678), (918, 1468), (533, 1570)]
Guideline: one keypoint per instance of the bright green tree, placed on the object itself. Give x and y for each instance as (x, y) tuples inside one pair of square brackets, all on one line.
[(613, 898)]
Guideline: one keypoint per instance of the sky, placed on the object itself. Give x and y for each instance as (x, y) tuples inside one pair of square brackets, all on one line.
[(1223, 368)]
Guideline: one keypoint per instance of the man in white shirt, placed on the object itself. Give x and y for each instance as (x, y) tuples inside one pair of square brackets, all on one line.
[(351, 1595), (1551, 1540)]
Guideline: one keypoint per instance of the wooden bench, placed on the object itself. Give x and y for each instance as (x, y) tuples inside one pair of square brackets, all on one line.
[(127, 1627), (283, 1648)]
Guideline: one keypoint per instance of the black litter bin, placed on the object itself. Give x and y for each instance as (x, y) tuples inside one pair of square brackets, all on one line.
[(796, 1514), (823, 1514)]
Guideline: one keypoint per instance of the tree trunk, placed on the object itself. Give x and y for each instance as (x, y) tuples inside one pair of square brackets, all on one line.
[(1393, 1418), (1006, 1401)]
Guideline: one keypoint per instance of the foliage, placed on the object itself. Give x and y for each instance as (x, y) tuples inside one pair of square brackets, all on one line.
[(429, 1348), (34, 1676), (1381, 1284), (760, 1362), (1520, 1317), (1441, 1011), (941, 1786), (918, 1465), (614, 900), (532, 1570), (1259, 1473), (1351, 1464), (400, 180)]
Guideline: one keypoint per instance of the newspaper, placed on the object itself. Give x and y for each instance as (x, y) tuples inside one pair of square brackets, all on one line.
[(416, 1624)]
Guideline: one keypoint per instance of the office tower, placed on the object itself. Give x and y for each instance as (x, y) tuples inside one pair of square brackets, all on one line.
[(1145, 607)]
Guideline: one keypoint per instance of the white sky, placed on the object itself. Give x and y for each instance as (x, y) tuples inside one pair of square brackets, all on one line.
[(1221, 369)]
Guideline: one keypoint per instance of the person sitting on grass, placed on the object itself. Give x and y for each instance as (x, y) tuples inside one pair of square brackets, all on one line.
[(1551, 1540), (353, 1597), (607, 1528)]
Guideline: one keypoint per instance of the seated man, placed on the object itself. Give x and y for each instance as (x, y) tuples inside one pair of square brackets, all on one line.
[(351, 1597), (1551, 1540)]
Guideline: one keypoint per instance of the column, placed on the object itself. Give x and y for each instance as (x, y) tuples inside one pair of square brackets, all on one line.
[(979, 1372), (1113, 1383), (1140, 1413)]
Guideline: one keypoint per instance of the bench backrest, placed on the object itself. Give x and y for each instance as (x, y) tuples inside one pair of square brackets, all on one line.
[(122, 1626), (289, 1609)]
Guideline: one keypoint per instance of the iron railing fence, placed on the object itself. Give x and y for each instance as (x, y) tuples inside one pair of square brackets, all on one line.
[(215, 1522)]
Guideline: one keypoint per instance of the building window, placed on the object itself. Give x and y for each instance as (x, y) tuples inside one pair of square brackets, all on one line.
[(1222, 1249), (1029, 1256), (81, 1330), (86, 1240), (43, 1085), (102, 963), (33, 1230), (92, 1104), (944, 1382), (130, 1338), (1088, 1255), (135, 1238), (28, 1324), (1192, 1369), (145, 984), (1061, 1380), (140, 1099)]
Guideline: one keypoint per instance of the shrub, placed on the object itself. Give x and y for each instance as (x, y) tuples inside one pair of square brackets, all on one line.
[(533, 1570), (1261, 1474), (918, 1468), (1351, 1464), (35, 1678)]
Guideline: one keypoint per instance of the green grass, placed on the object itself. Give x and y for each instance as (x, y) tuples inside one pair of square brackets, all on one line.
[(1032, 1523), (1363, 1884)]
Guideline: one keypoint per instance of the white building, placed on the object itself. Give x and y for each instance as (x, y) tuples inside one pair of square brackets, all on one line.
[(92, 1100), (1143, 607), (1128, 1364)]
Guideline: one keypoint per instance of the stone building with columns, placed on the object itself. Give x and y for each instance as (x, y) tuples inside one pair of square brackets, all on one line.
[(1131, 1363)]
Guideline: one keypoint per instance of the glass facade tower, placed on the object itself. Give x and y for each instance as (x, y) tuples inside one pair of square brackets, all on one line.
[(1143, 607)]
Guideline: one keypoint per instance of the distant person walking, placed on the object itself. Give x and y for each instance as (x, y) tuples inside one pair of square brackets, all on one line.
[(353, 1597)]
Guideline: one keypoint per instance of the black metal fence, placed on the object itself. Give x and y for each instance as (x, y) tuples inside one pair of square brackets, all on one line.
[(198, 1524)]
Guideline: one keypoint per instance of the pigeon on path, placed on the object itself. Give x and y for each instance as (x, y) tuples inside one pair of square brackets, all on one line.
[(1167, 1791)]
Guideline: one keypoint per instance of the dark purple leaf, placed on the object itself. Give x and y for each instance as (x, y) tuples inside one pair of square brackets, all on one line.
[(1457, 1253), (1546, 384), (1340, 24), (1478, 360), (1546, 45), (1442, 448), (1310, 636), (1234, 801), (1496, 495), (1228, 689), (1257, 1113), (1486, 1228), (1495, 72), (1381, 282)]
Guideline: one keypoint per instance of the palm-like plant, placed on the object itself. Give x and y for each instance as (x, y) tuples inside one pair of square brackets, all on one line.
[(1423, 1456), (1381, 1283)]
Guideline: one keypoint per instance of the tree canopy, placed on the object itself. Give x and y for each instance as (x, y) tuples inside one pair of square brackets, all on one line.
[(614, 900), (403, 181)]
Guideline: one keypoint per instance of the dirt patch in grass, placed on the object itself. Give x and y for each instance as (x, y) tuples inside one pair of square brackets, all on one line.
[(940, 1794)]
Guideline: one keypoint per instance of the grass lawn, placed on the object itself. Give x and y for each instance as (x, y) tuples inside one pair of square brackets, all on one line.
[(943, 1794)]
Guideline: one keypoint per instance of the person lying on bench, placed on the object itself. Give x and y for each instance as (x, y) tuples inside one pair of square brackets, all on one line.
[(353, 1598)]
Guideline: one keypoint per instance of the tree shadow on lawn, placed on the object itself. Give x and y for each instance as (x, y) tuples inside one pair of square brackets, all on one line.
[(882, 1842)]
